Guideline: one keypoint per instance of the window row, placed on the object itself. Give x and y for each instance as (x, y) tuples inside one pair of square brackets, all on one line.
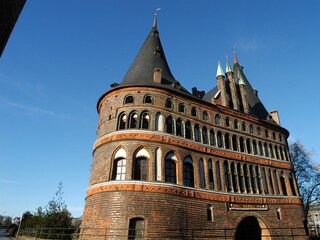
[(202, 134), (217, 175), (217, 119)]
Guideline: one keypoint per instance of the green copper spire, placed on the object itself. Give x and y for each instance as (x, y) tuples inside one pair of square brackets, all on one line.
[(228, 65), (240, 79), (219, 70)]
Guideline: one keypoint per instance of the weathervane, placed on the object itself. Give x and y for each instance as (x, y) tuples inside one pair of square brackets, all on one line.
[(155, 17)]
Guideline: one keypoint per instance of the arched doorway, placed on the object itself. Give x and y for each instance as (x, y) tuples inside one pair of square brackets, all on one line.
[(248, 229)]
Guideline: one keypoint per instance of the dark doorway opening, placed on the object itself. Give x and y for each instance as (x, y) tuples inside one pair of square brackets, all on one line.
[(248, 229)]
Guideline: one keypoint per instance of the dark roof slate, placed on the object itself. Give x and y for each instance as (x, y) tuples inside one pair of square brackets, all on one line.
[(150, 56)]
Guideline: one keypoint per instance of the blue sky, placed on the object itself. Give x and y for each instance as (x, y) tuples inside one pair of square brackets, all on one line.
[(63, 55)]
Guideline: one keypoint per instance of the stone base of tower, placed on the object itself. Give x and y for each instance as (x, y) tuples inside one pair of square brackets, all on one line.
[(138, 211)]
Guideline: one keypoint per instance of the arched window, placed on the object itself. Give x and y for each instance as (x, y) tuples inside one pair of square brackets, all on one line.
[(240, 178), (235, 124), (276, 150), (258, 130), (201, 173), (255, 149), (140, 165), (196, 133), (193, 112), (273, 135), (234, 177), (251, 128), (217, 119), (234, 143), (244, 128), (293, 190), (170, 175), (136, 229), (188, 176), (247, 179), (209, 213), (140, 171), (212, 138), (226, 176), (147, 99), (266, 150), (275, 176), (145, 118), (205, 116), (219, 139), (241, 144), (182, 108), (286, 154), (248, 145), (281, 153), (159, 122), (188, 130), (204, 135), (119, 165), (271, 150), (169, 124), (266, 133), (227, 141), (133, 120), (279, 214), (210, 174), (227, 122), (122, 121), (258, 177), (128, 99), (260, 148), (265, 184), (179, 127), (252, 179), (169, 103), (271, 182), (283, 183), (218, 175), (280, 137)]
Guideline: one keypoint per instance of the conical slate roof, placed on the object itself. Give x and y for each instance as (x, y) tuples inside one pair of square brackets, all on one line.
[(150, 56)]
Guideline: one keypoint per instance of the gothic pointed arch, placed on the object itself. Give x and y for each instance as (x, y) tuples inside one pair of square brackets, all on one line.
[(140, 164), (119, 164), (170, 167)]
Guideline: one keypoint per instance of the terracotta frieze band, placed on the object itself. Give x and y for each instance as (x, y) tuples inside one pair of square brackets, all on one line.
[(186, 144), (191, 193)]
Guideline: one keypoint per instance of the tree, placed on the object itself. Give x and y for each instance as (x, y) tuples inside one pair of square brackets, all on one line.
[(307, 174), (57, 214)]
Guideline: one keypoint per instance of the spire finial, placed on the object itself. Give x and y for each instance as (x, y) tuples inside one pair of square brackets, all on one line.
[(228, 66), (219, 70), (235, 59), (156, 17)]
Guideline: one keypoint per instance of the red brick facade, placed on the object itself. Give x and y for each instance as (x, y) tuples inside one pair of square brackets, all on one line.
[(168, 164), (168, 209)]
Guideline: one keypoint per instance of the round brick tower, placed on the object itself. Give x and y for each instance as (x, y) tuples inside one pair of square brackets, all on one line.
[(168, 164)]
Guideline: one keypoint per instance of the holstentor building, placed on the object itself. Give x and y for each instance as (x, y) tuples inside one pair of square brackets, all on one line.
[(170, 164)]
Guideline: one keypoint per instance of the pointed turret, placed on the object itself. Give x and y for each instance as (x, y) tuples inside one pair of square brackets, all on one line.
[(221, 86), (232, 85), (150, 65), (228, 66), (219, 70), (235, 59)]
